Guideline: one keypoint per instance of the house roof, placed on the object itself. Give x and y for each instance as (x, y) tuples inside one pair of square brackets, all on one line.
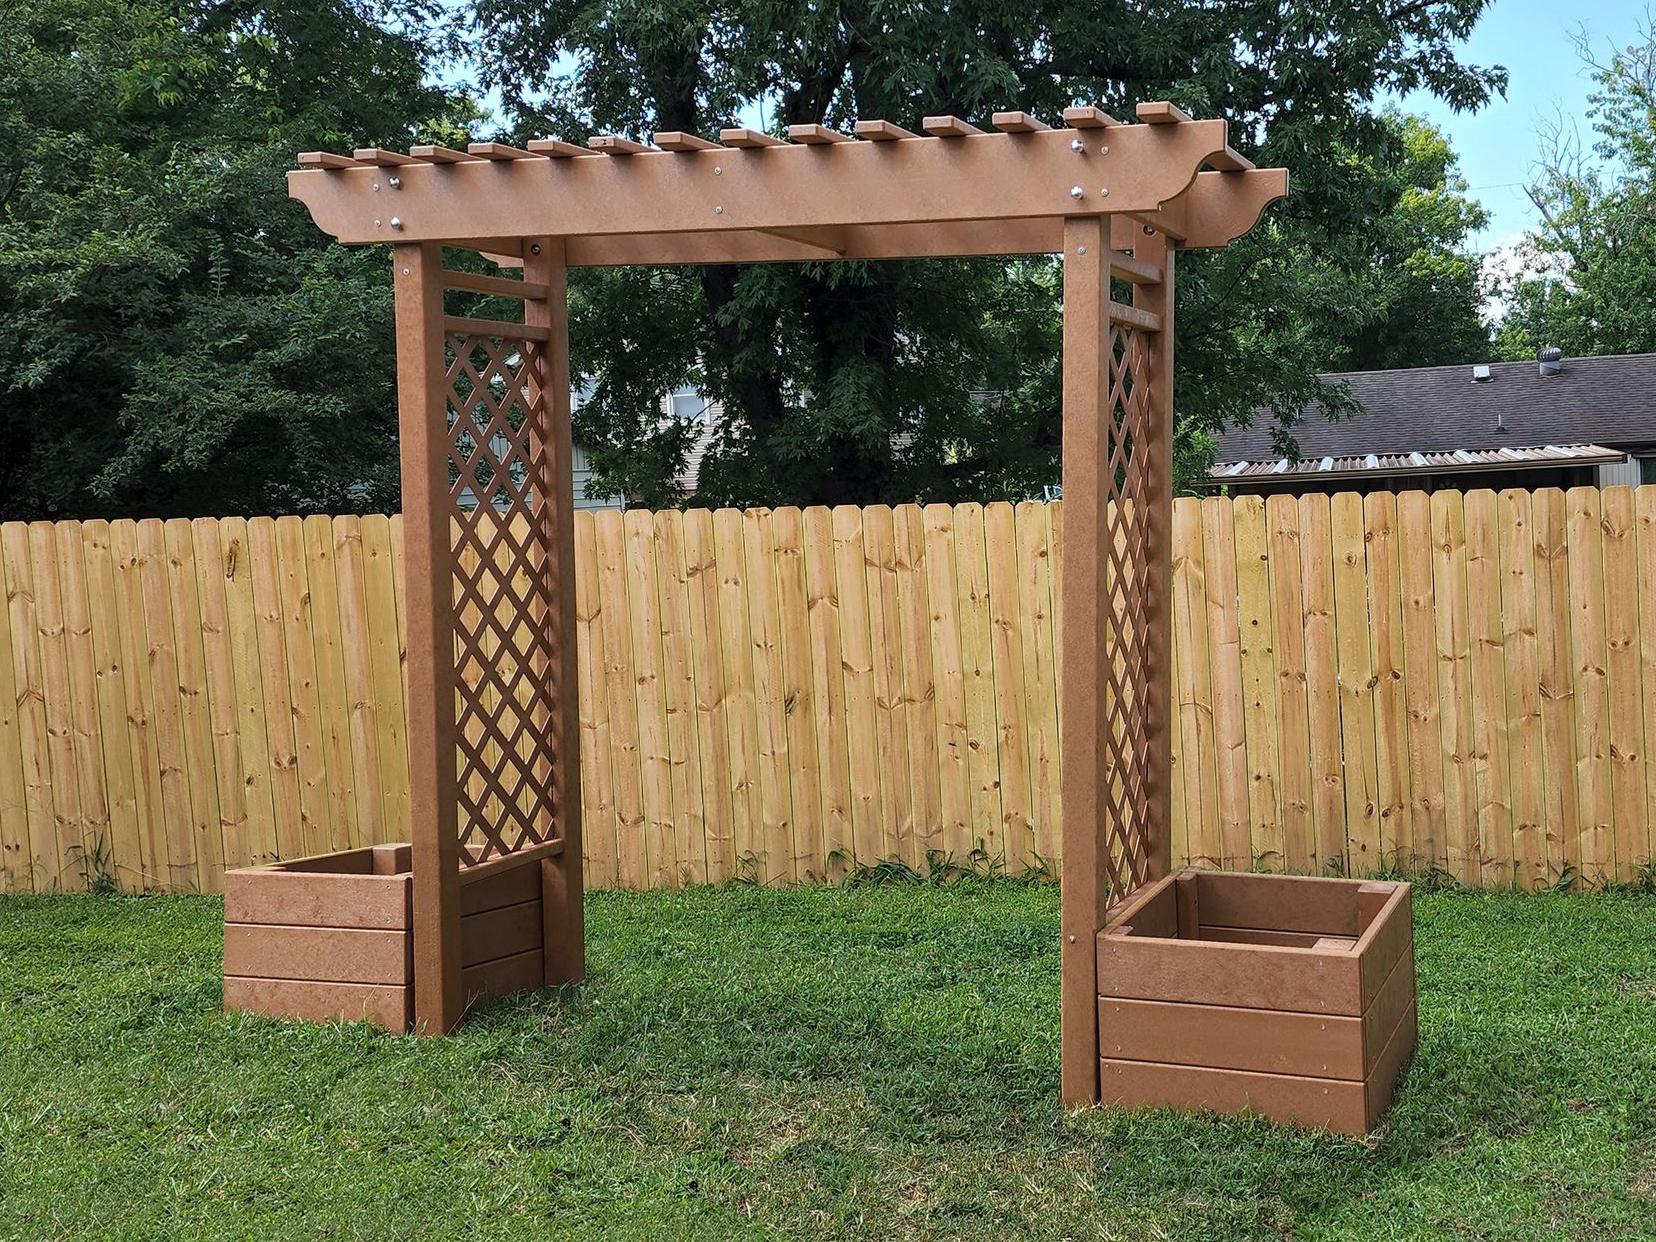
[(1382, 465), (1592, 401)]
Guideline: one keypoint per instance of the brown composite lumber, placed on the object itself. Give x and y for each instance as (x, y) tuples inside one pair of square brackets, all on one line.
[(557, 148), (502, 932), (1160, 112), (1085, 116), (1382, 1081), (306, 1000), (431, 153), (741, 136), (1388, 939), (615, 144), (325, 954), (1138, 318), (1208, 217), (476, 872), (500, 286), (1244, 975), (1270, 936), (678, 140), (325, 159), (463, 326), (922, 181), (1391, 1004), (1230, 161), (817, 135), (505, 887), (381, 157), (881, 131), (1325, 907), (1137, 271), (949, 127), (1085, 893), (518, 973), (1227, 1037), (499, 151), (428, 595), (313, 899), (1017, 123), (1322, 1103), (563, 957)]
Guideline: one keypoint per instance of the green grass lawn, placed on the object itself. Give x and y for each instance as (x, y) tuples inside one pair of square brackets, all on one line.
[(878, 1062)]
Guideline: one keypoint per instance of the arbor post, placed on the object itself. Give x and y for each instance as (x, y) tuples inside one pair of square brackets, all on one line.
[(428, 596)]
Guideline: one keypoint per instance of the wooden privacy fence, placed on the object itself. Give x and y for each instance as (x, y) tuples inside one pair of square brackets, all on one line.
[(1461, 680)]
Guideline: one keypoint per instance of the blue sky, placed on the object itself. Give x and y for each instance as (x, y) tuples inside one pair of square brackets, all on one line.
[(1498, 145)]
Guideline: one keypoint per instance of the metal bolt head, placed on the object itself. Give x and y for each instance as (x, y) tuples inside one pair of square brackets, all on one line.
[(1077, 146), (1077, 192), (408, 271), (1104, 149), (1080, 250), (534, 247), (719, 210), (1104, 191), (396, 223), (718, 170), (394, 182)]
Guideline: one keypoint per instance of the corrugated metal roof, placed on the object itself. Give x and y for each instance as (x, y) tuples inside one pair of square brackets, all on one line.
[(1376, 465)]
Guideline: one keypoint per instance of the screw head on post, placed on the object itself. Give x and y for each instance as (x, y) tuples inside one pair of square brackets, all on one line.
[(1076, 191)]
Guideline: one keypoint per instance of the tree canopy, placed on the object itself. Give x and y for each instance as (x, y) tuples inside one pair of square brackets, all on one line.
[(1588, 283), (866, 382), (175, 335), (176, 338)]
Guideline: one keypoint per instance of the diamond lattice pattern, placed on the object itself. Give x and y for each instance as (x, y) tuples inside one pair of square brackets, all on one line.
[(504, 635), (1126, 545)]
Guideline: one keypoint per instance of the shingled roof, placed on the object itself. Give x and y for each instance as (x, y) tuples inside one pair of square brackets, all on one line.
[(1598, 401)]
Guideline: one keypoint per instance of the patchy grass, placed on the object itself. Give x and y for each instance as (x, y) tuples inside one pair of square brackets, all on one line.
[(872, 1062)]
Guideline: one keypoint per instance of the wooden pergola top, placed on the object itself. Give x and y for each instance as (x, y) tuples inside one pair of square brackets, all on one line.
[(881, 191)]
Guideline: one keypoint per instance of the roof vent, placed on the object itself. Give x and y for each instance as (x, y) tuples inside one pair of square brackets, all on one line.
[(1480, 374), (1551, 360)]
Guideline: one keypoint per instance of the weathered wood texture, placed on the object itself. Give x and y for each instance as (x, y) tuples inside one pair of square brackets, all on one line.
[(876, 683)]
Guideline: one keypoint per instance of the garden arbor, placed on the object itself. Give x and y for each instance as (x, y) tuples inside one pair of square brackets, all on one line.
[(488, 510)]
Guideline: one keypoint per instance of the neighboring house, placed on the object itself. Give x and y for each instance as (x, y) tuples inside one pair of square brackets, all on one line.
[(1562, 422), (683, 404)]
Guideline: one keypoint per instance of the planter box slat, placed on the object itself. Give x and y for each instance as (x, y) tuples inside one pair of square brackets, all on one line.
[(1328, 1103), (502, 932), (1281, 902), (1207, 972), (505, 887), (325, 954), (1223, 1037), (517, 973), (386, 1005), (311, 899)]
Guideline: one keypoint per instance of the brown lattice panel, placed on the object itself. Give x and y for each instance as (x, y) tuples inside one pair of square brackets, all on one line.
[(504, 633), (1125, 544)]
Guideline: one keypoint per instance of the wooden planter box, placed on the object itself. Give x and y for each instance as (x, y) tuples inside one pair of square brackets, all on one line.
[(1285, 996), (330, 937)]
